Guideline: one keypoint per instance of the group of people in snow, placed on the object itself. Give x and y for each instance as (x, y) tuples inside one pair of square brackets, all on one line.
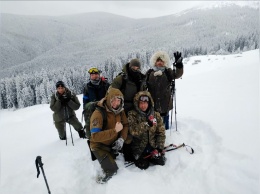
[(137, 109)]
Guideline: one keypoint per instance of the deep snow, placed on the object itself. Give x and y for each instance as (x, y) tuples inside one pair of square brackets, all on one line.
[(217, 113)]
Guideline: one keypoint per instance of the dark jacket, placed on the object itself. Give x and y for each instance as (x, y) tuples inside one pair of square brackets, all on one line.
[(59, 109), (93, 92), (142, 133), (160, 89), (129, 84), (160, 85)]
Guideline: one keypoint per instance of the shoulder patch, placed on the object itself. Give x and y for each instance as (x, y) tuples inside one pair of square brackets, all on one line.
[(95, 122)]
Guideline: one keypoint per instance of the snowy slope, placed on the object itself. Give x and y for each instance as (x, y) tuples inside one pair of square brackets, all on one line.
[(218, 112), (36, 42)]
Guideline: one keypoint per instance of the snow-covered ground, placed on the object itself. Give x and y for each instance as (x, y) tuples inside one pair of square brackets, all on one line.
[(217, 113)]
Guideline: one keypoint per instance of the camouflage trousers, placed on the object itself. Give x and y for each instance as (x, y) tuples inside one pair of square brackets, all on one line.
[(60, 126)]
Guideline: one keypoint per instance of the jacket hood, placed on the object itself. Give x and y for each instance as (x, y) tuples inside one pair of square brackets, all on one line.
[(163, 56), (125, 68), (151, 102), (111, 93)]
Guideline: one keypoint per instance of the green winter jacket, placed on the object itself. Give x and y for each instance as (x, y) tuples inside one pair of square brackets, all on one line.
[(127, 85), (59, 109), (142, 133)]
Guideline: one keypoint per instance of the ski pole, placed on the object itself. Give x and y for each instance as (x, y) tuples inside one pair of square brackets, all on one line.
[(175, 109), (177, 147), (82, 116), (174, 94), (65, 120), (66, 110), (130, 164), (39, 163), (174, 98), (173, 91)]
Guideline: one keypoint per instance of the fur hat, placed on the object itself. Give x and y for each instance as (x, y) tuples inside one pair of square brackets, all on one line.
[(135, 62), (163, 56)]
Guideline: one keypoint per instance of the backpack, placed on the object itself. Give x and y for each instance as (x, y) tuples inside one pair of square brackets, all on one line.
[(124, 80), (89, 109)]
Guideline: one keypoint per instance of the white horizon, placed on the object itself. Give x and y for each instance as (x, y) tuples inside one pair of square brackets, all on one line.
[(131, 9)]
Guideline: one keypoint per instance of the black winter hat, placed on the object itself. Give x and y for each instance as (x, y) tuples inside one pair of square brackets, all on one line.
[(135, 62), (60, 84)]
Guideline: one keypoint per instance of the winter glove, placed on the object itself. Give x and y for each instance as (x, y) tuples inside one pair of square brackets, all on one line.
[(151, 120), (154, 153), (178, 60), (118, 144), (158, 73), (66, 97), (161, 152), (82, 134), (150, 123), (61, 99)]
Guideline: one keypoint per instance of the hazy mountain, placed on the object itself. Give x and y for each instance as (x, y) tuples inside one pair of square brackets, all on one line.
[(36, 42)]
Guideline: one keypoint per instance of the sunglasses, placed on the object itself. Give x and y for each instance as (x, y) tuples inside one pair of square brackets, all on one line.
[(94, 71), (144, 98)]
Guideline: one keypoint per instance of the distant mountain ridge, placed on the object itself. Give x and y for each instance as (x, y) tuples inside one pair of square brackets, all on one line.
[(36, 42)]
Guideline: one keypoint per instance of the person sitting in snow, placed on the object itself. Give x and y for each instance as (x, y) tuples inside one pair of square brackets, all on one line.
[(63, 104), (147, 128), (129, 82), (106, 141), (159, 82)]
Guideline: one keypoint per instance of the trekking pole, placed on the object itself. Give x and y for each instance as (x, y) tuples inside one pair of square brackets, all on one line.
[(66, 111), (177, 147), (174, 98), (173, 88), (174, 95), (39, 163), (130, 164), (82, 115), (65, 125), (175, 107)]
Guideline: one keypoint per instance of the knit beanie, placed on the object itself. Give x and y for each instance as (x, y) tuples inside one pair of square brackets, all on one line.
[(60, 84), (135, 62)]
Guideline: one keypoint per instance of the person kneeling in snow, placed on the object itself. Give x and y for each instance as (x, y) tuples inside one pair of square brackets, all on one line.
[(148, 131), (106, 141)]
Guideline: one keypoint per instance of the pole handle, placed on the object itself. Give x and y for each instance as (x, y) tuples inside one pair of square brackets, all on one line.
[(38, 163)]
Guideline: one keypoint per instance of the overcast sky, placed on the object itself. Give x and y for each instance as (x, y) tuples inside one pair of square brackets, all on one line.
[(133, 9)]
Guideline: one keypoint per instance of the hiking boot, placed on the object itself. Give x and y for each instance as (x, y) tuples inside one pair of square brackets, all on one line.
[(102, 179), (141, 163), (160, 160), (62, 138)]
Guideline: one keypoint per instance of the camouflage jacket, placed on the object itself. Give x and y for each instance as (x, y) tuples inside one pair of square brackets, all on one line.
[(142, 133)]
